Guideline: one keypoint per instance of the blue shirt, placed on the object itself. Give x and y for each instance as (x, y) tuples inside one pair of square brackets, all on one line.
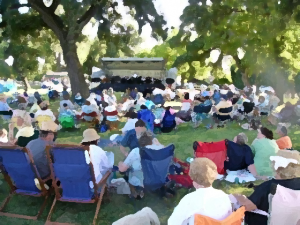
[(130, 140), (4, 107), (240, 157)]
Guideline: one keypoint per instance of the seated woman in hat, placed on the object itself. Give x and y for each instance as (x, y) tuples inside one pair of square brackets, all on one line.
[(26, 133), (102, 161), (205, 200), (287, 175)]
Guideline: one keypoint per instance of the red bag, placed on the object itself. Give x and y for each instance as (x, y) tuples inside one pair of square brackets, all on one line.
[(215, 151)]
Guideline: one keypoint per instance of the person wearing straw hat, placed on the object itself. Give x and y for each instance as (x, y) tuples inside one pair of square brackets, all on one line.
[(4, 106), (96, 155), (286, 165), (37, 147)]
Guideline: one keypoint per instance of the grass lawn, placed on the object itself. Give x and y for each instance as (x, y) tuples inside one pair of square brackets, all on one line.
[(121, 205)]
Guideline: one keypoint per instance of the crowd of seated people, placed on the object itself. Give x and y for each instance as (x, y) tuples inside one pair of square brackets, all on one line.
[(143, 117)]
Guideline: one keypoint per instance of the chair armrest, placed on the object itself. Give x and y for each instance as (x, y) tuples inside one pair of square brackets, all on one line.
[(104, 179)]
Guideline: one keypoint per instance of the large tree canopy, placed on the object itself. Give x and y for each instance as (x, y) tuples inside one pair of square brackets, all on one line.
[(257, 28), (67, 18)]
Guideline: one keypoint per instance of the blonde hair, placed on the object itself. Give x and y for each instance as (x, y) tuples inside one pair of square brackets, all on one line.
[(292, 170), (203, 171)]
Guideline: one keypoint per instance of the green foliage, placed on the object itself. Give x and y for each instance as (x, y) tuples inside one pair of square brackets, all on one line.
[(5, 70), (258, 27)]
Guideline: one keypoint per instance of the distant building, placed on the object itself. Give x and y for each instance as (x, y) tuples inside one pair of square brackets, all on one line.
[(145, 67)]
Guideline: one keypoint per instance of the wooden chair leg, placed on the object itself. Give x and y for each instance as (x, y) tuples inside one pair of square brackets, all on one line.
[(5, 202), (51, 211), (99, 204), (42, 207)]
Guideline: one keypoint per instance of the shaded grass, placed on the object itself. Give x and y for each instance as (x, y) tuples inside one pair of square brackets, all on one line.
[(121, 205)]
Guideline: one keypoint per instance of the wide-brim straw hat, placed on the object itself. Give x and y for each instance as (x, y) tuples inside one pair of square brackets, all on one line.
[(90, 135), (49, 126)]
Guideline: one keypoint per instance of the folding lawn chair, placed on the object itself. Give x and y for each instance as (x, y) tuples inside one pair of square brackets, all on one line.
[(236, 218), (155, 164), (215, 151), (68, 165), (284, 206), (16, 167)]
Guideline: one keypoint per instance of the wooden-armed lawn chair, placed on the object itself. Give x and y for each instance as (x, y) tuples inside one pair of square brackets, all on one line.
[(20, 171), (68, 165)]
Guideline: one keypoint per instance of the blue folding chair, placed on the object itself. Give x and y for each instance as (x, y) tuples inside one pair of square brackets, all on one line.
[(16, 167), (68, 165), (155, 165)]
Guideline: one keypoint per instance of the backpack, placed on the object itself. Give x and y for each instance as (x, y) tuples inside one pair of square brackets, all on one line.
[(158, 99), (50, 94), (168, 119)]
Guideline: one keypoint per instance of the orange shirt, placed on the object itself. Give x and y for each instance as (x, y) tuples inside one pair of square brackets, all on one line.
[(284, 142)]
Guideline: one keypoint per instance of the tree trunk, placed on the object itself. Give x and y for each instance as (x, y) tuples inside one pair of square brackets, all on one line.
[(26, 83), (75, 73)]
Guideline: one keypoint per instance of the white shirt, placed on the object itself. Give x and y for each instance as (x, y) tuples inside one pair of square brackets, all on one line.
[(100, 162), (46, 112), (3, 138), (155, 146), (204, 201), (130, 125)]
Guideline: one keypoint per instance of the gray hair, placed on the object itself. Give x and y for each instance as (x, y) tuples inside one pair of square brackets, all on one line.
[(241, 139)]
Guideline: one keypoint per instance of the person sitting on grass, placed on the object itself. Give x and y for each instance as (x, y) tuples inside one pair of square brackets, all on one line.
[(284, 142), (4, 107), (239, 155), (45, 111), (130, 124), (206, 200), (168, 122), (149, 141), (3, 137), (147, 116), (287, 176), (26, 132), (67, 101), (263, 147)]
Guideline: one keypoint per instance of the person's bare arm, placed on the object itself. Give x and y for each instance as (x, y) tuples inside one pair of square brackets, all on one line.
[(123, 150), (252, 170), (122, 167), (244, 201)]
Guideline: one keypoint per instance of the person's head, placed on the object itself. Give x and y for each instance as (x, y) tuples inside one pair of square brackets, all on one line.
[(48, 130), (145, 139), (292, 170), (66, 97), (44, 105), (90, 137), (186, 96), (131, 115), (140, 127), (261, 99), (241, 139), (203, 172), (264, 132), (47, 135), (143, 107), (282, 131)]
